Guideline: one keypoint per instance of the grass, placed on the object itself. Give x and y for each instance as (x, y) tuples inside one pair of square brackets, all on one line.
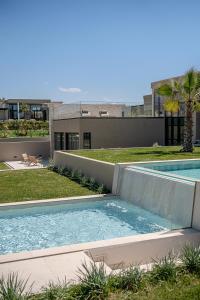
[(24, 185), (3, 166), (137, 154)]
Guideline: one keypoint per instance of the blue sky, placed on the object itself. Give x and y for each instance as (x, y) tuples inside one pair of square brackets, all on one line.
[(105, 50)]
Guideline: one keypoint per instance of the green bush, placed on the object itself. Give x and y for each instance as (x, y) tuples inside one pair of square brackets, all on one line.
[(78, 176), (23, 127), (54, 291), (191, 259), (164, 269), (93, 282), (127, 279), (14, 288)]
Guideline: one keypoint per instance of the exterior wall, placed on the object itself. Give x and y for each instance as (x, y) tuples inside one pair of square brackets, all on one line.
[(148, 105), (126, 132), (3, 115), (115, 132), (66, 111), (13, 148), (103, 172)]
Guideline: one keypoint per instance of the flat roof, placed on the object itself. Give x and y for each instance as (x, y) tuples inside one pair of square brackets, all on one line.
[(155, 83), (109, 118), (28, 100)]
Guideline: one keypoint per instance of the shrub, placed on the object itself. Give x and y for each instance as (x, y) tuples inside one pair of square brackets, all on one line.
[(128, 279), (92, 184), (13, 288), (191, 258), (84, 181), (93, 282), (164, 269), (54, 291)]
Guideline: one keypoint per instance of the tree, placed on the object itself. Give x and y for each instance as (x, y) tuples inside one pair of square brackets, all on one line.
[(184, 90), (24, 108)]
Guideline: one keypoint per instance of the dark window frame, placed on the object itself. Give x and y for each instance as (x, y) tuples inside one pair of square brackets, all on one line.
[(72, 140), (87, 140), (60, 144)]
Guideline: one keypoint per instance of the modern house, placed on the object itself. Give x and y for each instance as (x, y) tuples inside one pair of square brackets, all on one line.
[(25, 109), (106, 132), (91, 126)]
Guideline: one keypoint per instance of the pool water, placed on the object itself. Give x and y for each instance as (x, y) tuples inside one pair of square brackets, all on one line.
[(190, 169), (41, 227), (192, 173)]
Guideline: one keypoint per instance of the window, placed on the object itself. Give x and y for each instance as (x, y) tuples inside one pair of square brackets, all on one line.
[(59, 140), (72, 141), (13, 111), (85, 113), (174, 128), (104, 113), (87, 140)]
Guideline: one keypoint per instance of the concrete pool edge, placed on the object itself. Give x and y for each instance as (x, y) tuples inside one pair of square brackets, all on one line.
[(110, 250), (22, 204), (37, 253)]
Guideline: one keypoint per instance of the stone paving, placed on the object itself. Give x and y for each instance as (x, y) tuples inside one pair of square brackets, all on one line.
[(19, 165)]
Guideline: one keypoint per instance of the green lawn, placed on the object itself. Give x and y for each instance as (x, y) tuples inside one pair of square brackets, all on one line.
[(24, 185), (137, 154), (3, 166)]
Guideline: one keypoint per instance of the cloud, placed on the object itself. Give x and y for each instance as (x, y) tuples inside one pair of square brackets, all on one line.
[(69, 90)]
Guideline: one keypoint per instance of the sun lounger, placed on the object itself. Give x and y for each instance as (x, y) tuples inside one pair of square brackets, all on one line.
[(25, 158), (34, 160)]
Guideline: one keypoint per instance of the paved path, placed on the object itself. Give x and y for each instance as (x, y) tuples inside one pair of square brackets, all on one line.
[(19, 165), (44, 269)]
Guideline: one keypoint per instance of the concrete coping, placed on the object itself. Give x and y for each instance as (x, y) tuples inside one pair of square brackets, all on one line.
[(86, 158), (48, 202), (102, 244)]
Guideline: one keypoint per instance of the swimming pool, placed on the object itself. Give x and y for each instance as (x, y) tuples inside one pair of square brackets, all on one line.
[(39, 227), (189, 169)]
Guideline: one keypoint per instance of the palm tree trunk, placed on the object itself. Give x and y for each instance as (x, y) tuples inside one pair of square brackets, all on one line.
[(187, 144)]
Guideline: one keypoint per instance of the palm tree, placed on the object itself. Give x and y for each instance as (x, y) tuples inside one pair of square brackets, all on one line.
[(185, 89)]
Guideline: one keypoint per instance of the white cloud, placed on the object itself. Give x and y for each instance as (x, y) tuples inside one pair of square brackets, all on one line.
[(69, 90)]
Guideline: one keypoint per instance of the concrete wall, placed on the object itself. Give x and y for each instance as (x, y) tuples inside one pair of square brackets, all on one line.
[(159, 194), (144, 248), (102, 171), (115, 132), (12, 148)]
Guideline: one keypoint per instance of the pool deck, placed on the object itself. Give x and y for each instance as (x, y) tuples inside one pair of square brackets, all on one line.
[(62, 263), (48, 268)]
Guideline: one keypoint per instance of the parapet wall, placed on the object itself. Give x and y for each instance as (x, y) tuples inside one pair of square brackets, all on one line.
[(101, 171)]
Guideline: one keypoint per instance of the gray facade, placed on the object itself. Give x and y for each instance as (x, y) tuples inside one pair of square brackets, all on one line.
[(95, 133)]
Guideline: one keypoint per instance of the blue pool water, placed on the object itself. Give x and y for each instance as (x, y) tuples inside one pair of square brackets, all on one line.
[(192, 173), (190, 169), (63, 224)]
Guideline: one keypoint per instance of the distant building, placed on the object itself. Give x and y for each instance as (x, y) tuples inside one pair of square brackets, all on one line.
[(25, 109), (76, 110)]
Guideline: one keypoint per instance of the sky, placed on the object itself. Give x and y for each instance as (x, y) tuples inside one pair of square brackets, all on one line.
[(95, 50)]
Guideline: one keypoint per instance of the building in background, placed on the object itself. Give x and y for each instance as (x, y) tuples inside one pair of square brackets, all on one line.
[(174, 123), (76, 110), (25, 109)]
